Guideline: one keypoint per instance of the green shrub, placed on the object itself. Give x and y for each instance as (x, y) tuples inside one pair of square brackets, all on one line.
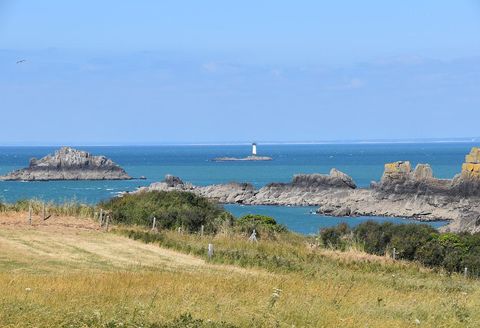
[(262, 224), (419, 242), (171, 209), (407, 238), (430, 254), (376, 237), (335, 236), (257, 219)]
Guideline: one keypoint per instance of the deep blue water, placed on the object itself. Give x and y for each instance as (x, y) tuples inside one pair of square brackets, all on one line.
[(364, 162)]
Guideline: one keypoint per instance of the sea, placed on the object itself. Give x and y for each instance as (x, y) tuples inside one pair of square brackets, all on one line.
[(364, 162)]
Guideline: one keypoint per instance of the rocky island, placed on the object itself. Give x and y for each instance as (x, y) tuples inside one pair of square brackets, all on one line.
[(401, 192), (69, 164)]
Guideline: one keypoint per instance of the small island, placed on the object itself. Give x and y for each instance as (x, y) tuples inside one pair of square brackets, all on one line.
[(69, 164), (252, 157)]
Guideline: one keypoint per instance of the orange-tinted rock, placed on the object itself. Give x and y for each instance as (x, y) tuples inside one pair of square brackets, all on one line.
[(397, 168), (474, 156), (423, 172), (472, 166)]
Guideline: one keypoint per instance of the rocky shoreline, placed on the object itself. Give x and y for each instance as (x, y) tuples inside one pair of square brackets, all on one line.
[(69, 164), (401, 192)]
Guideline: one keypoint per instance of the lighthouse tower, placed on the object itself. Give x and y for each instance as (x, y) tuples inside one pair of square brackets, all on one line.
[(254, 149)]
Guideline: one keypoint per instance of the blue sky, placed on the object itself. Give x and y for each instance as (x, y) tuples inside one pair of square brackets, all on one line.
[(152, 72)]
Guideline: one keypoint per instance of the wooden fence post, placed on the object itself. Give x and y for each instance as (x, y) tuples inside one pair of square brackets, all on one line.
[(394, 253), (154, 223), (253, 236), (202, 228), (210, 251), (100, 217), (107, 218), (30, 214)]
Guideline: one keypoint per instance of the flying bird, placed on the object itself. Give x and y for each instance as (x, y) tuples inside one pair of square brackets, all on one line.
[(21, 61)]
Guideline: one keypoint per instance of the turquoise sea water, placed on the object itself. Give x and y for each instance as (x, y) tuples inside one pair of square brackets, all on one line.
[(364, 162), (303, 219)]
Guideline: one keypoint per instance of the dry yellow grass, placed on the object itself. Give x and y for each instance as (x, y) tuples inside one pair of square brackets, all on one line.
[(69, 273)]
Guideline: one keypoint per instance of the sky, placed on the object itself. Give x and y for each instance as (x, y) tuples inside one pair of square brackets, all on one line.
[(162, 72)]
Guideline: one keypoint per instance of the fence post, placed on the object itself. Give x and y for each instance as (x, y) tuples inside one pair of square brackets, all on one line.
[(154, 223), (394, 253), (202, 228), (100, 217), (107, 218), (253, 236), (30, 213), (210, 251)]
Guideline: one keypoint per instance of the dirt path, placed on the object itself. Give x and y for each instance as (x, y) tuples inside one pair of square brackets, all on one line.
[(63, 244)]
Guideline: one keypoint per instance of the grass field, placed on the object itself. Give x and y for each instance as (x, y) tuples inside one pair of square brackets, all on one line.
[(66, 272)]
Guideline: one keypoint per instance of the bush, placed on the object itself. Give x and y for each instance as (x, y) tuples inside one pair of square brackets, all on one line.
[(171, 209), (335, 236), (407, 238), (257, 219), (430, 254), (419, 242), (262, 224), (376, 237)]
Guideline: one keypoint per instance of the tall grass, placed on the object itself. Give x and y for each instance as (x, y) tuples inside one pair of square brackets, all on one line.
[(282, 281), (69, 208)]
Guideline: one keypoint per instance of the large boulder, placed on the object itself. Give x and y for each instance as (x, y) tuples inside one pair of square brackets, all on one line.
[(336, 179), (173, 181)]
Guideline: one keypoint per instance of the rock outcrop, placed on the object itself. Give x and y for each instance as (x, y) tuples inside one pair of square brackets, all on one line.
[(398, 178), (69, 164), (304, 189), (401, 192), (471, 167)]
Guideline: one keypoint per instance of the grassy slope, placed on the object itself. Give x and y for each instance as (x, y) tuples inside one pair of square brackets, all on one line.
[(78, 275)]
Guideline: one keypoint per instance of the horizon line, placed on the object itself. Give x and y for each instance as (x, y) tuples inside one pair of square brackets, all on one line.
[(242, 143)]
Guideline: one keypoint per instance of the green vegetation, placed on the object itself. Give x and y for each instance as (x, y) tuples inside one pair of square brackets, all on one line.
[(264, 226), (171, 209), (413, 242)]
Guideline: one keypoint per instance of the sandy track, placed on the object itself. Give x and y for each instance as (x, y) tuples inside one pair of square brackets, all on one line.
[(63, 244), (79, 244)]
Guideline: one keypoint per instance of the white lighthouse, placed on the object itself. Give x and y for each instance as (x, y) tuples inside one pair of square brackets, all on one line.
[(254, 149)]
